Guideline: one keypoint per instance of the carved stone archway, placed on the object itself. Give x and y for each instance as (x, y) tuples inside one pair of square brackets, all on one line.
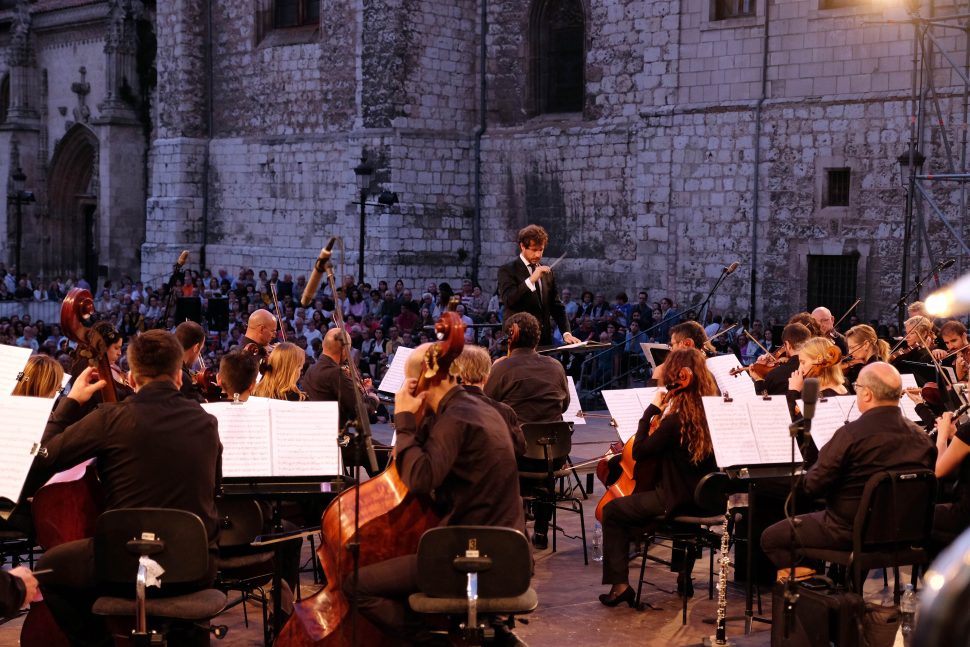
[(70, 241)]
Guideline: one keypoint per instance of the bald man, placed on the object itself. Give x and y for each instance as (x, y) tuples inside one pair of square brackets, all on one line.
[(260, 330), (826, 321), (326, 381), (463, 453), (880, 439)]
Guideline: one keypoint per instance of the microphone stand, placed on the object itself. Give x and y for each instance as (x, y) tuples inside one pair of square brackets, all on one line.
[(916, 289), (362, 441), (702, 312), (791, 595)]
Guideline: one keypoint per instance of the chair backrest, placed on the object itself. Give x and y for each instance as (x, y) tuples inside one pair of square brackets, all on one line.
[(240, 520), (711, 493), (548, 440), (185, 547), (896, 510), (508, 549)]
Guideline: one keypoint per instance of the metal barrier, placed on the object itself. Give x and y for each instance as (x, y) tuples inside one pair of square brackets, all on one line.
[(46, 311)]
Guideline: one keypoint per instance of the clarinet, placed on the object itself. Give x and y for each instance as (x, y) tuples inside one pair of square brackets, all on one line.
[(720, 637)]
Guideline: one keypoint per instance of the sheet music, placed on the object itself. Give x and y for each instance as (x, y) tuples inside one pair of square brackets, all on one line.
[(304, 437), (394, 377), (244, 432), (731, 433), (646, 394), (740, 387), (770, 421), (626, 409), (24, 420), (909, 381), (579, 344), (829, 417), (909, 408), (572, 411), (13, 359)]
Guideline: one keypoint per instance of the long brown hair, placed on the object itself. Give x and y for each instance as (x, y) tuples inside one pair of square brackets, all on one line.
[(41, 378), (687, 402)]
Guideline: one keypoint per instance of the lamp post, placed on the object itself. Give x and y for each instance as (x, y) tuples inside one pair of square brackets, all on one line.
[(363, 173), (19, 198), (910, 165)]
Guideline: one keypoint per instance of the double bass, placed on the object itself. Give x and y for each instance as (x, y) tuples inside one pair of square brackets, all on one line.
[(392, 520), (66, 508)]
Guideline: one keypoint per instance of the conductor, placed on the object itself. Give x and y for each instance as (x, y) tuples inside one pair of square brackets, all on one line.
[(526, 286)]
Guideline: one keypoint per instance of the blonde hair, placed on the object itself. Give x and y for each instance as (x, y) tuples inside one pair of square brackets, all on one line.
[(865, 334), (922, 327), (282, 372), (817, 349), (41, 378), (473, 365)]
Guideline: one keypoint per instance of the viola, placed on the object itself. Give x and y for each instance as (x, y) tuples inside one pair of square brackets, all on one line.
[(649, 473), (831, 357), (392, 521)]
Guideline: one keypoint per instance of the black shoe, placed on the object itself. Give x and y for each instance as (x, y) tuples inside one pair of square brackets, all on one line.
[(628, 596), (505, 637), (540, 540), (685, 585)]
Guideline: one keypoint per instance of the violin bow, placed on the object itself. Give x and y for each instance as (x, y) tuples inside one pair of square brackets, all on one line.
[(851, 308), (722, 332), (757, 343)]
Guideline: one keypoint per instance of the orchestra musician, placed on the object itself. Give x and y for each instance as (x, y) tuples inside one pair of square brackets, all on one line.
[(474, 366), (328, 381), (880, 439), (526, 286), (260, 330), (818, 357), (41, 377), (864, 348), (463, 454), (283, 368), (688, 334), (237, 375), (954, 335), (952, 447), (191, 336), (826, 322), (112, 341), (672, 438), (793, 337), (915, 358), (155, 449), (535, 387)]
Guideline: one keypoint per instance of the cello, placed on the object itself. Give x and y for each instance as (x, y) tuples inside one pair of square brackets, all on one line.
[(392, 520), (627, 482), (66, 508)]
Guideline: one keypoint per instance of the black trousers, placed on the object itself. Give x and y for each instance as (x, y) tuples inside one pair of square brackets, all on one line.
[(382, 594), (811, 531), (623, 520), (544, 498)]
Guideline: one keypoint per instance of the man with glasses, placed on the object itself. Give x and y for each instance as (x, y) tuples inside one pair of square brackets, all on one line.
[(525, 285), (827, 323), (880, 439)]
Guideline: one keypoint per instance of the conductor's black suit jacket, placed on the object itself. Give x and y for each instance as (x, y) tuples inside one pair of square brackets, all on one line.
[(517, 297)]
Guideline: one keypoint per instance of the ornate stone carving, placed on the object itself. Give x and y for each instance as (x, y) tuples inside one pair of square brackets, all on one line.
[(20, 52), (82, 113)]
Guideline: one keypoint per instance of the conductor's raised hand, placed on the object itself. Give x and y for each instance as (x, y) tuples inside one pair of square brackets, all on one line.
[(405, 401), (86, 385), (570, 338), (538, 273)]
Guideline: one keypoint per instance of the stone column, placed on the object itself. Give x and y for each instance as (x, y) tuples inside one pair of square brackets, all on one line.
[(179, 154)]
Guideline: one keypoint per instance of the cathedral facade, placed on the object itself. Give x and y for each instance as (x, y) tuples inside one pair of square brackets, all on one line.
[(657, 140)]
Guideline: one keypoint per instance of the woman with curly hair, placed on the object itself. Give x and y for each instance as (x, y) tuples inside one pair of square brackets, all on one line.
[(283, 368), (679, 449)]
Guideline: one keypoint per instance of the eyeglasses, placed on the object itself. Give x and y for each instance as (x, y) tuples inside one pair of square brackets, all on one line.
[(856, 386)]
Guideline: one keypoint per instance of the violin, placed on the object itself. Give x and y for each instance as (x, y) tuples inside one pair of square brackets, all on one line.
[(851, 360), (759, 370), (902, 352), (392, 520), (649, 473), (205, 381)]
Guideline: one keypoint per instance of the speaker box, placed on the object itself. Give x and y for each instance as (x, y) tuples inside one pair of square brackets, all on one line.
[(218, 314), (188, 308)]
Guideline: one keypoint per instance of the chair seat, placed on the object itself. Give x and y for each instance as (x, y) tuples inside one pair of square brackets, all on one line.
[(200, 605), (685, 520), (525, 603), (875, 559)]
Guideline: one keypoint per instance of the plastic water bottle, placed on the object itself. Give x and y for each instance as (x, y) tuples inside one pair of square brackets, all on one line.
[(597, 542), (908, 605)]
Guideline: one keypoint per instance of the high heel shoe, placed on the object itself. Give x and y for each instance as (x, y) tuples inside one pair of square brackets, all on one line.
[(611, 600)]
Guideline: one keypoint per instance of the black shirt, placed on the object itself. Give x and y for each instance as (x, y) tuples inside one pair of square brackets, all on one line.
[(533, 385), (776, 382), (327, 382)]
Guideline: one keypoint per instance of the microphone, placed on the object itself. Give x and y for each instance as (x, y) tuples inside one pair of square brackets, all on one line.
[(184, 256), (947, 263), (732, 268), (809, 399), (316, 275)]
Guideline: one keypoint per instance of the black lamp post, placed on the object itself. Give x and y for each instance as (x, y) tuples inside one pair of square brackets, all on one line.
[(19, 198), (363, 173), (910, 165)]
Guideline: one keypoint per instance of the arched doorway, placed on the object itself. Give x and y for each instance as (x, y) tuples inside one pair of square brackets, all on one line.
[(70, 239)]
